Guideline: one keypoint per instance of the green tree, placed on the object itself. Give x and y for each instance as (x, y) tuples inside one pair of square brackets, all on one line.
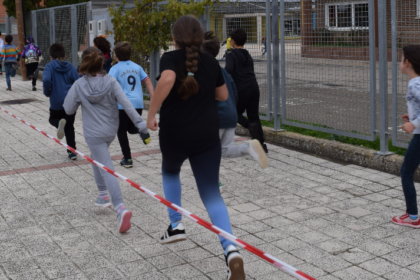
[(148, 25), (30, 5)]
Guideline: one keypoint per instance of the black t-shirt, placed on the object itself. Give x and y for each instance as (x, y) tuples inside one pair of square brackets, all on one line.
[(196, 118)]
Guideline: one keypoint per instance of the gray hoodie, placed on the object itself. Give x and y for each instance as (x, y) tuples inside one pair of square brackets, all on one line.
[(99, 98)]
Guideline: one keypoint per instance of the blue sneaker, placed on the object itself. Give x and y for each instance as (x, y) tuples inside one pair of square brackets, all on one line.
[(124, 217), (103, 202)]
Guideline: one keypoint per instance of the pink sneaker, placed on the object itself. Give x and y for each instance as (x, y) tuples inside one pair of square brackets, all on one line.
[(405, 220)]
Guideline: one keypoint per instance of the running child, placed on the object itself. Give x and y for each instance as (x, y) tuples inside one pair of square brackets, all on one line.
[(104, 46), (10, 54), (228, 116), (31, 54), (58, 77), (98, 93), (1, 46), (190, 82), (130, 76), (410, 66), (240, 66)]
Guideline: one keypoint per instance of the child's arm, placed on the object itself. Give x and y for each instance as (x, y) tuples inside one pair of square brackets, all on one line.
[(414, 95), (122, 99), (2, 54), (46, 80), (230, 63), (72, 102), (150, 89), (18, 54)]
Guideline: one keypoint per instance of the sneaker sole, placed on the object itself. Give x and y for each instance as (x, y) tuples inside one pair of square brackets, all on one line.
[(106, 205), (125, 225), (262, 156), (60, 131), (236, 266), (406, 225), (73, 158), (173, 239), (127, 166)]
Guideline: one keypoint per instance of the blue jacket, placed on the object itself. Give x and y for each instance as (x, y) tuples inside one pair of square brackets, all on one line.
[(58, 77), (227, 109)]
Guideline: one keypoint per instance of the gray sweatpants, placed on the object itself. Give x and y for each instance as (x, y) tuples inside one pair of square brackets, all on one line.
[(227, 136), (105, 181)]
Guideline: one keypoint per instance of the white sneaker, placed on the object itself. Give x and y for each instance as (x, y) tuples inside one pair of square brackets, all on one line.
[(60, 131), (256, 151), (173, 235), (235, 264)]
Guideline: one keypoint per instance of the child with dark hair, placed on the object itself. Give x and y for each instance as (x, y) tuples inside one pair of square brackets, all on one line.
[(10, 54), (410, 66), (105, 47), (98, 94), (228, 116), (130, 76), (189, 83), (58, 77), (1, 46), (31, 54), (240, 66)]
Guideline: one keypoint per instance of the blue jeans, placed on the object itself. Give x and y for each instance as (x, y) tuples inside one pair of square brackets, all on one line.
[(10, 71), (411, 162), (205, 159)]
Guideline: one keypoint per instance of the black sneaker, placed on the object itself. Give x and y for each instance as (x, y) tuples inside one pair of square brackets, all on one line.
[(72, 155), (33, 88), (127, 163), (173, 235), (235, 264), (9, 89)]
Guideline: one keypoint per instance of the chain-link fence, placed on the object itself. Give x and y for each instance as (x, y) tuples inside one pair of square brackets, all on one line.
[(66, 25), (404, 25)]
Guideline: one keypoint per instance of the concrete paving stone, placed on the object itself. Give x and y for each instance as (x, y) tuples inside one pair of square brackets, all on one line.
[(402, 274), (309, 253), (20, 266), (333, 246), (313, 237), (57, 265), (184, 271), (106, 273), (74, 277), (165, 261), (210, 265), (330, 263), (403, 257), (357, 212), (136, 268), (354, 273), (379, 266), (259, 268), (35, 274), (194, 254)]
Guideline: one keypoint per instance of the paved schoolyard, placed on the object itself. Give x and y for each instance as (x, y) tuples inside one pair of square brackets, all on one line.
[(329, 220)]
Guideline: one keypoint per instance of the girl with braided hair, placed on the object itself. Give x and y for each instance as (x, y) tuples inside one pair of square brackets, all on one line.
[(189, 84)]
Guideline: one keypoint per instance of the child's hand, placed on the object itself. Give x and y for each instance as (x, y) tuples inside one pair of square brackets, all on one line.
[(145, 137), (405, 118), (408, 127), (152, 124)]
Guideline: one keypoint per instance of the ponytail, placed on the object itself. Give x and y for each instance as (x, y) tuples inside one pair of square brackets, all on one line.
[(189, 36)]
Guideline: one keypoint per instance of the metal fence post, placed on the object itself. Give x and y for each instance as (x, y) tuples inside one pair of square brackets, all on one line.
[(74, 43), (394, 70), (8, 28), (283, 62), (383, 80), (34, 29), (154, 66), (372, 62), (268, 48), (276, 65), (52, 27), (88, 18)]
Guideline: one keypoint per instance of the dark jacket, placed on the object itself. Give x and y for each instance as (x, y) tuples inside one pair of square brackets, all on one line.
[(107, 62), (227, 109), (58, 77), (240, 66)]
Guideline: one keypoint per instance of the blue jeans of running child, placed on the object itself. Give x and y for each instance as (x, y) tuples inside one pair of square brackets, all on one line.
[(411, 162), (10, 72), (205, 159)]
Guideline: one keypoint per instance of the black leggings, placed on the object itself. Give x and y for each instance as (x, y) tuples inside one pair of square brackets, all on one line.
[(125, 126), (30, 69), (249, 100), (56, 116)]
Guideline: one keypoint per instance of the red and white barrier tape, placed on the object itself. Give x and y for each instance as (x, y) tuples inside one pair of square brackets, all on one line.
[(282, 265)]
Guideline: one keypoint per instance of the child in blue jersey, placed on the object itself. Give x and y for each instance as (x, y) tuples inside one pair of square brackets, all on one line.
[(130, 76)]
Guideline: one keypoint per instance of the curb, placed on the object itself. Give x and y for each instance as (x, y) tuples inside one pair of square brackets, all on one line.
[(335, 150)]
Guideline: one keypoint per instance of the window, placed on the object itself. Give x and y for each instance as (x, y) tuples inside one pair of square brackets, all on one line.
[(347, 16)]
